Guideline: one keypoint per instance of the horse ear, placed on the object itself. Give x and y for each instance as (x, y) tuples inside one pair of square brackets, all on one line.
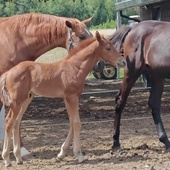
[(86, 21), (98, 37), (68, 24)]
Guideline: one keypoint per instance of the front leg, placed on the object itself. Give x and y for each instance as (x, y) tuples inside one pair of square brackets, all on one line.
[(71, 104), (121, 99), (66, 145)]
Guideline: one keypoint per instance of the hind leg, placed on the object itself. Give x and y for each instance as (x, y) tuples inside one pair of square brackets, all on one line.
[(7, 138), (16, 132), (155, 106)]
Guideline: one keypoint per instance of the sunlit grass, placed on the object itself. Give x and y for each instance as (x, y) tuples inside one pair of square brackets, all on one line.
[(53, 55)]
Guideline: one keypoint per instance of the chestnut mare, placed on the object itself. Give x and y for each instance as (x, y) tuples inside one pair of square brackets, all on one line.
[(63, 79), (145, 46), (27, 36)]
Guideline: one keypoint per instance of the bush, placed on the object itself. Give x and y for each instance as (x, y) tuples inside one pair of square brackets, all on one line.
[(109, 24)]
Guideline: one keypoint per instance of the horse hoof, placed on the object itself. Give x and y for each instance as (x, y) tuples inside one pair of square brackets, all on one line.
[(20, 163), (8, 164), (27, 157), (116, 150), (81, 159), (25, 154), (60, 156)]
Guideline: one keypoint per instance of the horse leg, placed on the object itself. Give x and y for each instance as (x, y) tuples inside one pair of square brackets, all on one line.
[(25, 154), (75, 125), (7, 138), (155, 106), (121, 98), (16, 133), (66, 145)]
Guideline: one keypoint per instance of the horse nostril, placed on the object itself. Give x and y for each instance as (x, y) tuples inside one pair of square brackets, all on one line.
[(124, 63)]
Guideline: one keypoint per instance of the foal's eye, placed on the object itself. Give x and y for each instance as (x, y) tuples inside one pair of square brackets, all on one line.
[(108, 48)]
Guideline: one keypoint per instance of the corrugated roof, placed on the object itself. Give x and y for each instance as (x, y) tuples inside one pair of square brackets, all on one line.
[(123, 4)]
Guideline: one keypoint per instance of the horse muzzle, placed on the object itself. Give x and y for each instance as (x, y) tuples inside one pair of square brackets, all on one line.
[(121, 63)]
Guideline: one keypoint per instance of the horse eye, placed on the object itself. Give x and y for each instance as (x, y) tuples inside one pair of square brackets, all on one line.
[(108, 48)]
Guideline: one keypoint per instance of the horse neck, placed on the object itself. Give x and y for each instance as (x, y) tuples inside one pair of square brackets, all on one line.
[(44, 35), (85, 60)]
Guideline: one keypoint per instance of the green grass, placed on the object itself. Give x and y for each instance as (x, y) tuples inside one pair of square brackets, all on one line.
[(53, 55)]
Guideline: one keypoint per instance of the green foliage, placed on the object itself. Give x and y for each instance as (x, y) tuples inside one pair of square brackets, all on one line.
[(108, 24), (103, 12)]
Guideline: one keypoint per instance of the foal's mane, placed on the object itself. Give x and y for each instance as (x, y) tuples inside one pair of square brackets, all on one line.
[(83, 44), (45, 26), (117, 38)]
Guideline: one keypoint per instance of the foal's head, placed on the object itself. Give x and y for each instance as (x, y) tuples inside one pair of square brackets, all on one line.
[(109, 53)]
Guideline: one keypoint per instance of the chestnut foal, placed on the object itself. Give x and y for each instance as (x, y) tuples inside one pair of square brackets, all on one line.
[(63, 79)]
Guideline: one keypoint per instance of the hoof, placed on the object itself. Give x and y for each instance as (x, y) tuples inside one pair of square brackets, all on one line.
[(27, 157), (20, 163), (80, 157), (167, 149), (8, 164), (116, 150), (60, 156), (25, 154)]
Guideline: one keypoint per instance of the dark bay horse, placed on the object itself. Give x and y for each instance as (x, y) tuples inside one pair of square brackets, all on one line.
[(25, 37), (63, 79), (145, 46)]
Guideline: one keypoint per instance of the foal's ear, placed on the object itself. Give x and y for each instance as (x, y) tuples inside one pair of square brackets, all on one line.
[(86, 21), (68, 24), (98, 37)]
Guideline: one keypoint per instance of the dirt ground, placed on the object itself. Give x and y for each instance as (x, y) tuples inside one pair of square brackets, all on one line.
[(45, 126)]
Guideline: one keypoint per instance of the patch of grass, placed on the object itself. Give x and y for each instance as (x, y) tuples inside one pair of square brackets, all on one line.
[(53, 55), (121, 73)]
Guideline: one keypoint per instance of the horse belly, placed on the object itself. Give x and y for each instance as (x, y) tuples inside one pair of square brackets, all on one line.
[(48, 91)]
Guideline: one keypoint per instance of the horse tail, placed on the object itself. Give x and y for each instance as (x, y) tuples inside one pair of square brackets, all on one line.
[(118, 37), (4, 94)]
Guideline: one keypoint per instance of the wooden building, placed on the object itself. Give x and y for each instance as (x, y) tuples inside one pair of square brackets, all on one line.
[(149, 9)]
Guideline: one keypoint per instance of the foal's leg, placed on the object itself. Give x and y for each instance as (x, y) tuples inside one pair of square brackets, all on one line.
[(7, 138), (20, 109), (155, 105), (24, 152), (72, 109), (66, 145)]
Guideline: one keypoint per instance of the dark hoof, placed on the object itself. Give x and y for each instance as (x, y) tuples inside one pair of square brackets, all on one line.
[(117, 150), (167, 149)]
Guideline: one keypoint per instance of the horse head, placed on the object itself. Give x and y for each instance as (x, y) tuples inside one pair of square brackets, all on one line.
[(78, 28), (109, 53)]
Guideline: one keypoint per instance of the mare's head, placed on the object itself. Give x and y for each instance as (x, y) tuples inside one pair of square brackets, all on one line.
[(109, 53), (78, 29)]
